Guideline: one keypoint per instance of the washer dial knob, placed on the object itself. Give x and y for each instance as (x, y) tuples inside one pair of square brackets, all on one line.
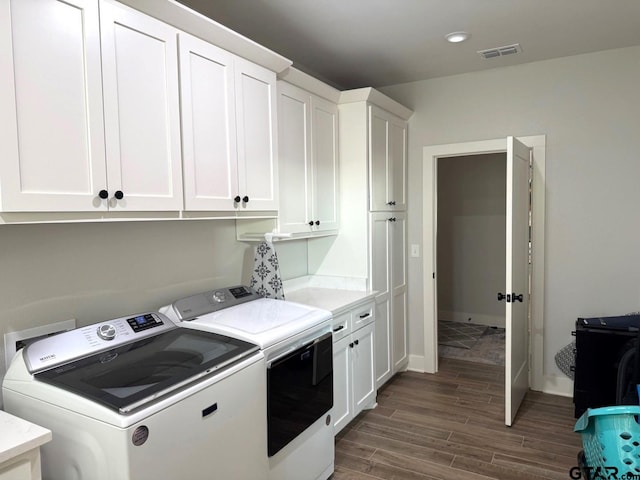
[(107, 332), (219, 297)]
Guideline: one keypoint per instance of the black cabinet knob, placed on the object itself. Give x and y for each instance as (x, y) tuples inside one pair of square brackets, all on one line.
[(311, 223), (392, 219), (245, 199), (351, 345), (356, 342), (103, 194), (237, 199), (119, 195), (501, 296), (317, 222)]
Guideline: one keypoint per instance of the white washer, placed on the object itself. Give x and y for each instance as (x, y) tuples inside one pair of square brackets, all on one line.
[(297, 343), (138, 398)]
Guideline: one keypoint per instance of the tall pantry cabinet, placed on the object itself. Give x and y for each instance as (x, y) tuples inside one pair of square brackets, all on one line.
[(372, 240)]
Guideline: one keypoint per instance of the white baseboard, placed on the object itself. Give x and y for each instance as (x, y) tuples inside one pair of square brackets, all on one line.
[(556, 385), (476, 318), (416, 363)]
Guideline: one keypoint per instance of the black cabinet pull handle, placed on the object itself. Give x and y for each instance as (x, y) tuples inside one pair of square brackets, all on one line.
[(317, 222), (119, 195), (311, 223), (245, 199), (338, 328), (356, 342), (365, 315), (237, 199), (103, 194)]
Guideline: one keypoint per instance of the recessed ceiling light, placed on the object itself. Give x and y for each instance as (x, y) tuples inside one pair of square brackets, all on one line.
[(456, 37)]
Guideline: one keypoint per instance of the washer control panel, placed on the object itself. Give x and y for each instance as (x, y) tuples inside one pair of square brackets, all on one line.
[(190, 307), (84, 341)]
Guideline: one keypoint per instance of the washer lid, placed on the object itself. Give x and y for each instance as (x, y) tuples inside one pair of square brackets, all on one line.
[(265, 321), (134, 374)]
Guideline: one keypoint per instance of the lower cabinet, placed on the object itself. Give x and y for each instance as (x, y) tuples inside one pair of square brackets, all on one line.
[(354, 381)]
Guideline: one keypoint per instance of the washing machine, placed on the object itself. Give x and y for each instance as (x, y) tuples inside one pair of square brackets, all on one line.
[(297, 343), (137, 398)]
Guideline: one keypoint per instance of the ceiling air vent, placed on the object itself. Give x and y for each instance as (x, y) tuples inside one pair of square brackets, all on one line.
[(500, 51)]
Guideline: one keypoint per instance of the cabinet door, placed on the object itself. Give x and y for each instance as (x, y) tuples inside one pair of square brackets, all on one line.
[(208, 125), (379, 266), (256, 136), (387, 161), (324, 146), (379, 181), (51, 121), (140, 76), (294, 152), (398, 232), (363, 362), (398, 162), (342, 379)]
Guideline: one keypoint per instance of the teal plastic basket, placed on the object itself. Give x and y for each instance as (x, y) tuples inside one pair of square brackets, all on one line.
[(611, 437)]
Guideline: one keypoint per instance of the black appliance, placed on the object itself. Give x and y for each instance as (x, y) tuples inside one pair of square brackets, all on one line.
[(299, 391), (607, 362)]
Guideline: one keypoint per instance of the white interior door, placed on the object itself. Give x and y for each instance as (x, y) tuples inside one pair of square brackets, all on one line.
[(517, 278)]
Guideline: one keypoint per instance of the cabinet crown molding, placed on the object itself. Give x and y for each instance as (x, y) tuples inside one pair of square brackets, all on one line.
[(190, 21), (378, 98), (302, 80)]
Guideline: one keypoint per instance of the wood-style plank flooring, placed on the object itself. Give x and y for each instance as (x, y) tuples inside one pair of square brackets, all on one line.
[(450, 426)]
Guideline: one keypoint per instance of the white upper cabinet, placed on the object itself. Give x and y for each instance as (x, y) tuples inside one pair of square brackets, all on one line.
[(52, 150), (256, 112), (142, 112), (387, 160), (208, 125), (228, 128), (92, 117), (308, 147)]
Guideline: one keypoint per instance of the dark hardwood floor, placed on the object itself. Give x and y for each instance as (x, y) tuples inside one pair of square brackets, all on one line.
[(450, 426)]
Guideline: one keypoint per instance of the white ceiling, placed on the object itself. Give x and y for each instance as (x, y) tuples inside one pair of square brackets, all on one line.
[(357, 43)]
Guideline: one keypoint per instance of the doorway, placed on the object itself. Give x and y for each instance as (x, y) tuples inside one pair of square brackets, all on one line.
[(525, 371), (471, 215)]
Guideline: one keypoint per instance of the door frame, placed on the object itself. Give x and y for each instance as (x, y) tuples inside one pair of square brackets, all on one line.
[(429, 231)]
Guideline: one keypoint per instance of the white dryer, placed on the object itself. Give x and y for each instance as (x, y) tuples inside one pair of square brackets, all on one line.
[(297, 343), (137, 398)]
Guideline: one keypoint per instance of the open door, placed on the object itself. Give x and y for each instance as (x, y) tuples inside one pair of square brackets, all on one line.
[(517, 278)]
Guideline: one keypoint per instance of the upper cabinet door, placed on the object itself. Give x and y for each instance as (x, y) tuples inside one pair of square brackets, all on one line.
[(398, 162), (208, 126), (387, 161), (51, 121), (324, 142), (142, 126), (294, 158), (256, 136)]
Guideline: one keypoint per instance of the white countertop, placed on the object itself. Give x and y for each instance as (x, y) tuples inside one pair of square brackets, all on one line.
[(334, 300), (18, 436)]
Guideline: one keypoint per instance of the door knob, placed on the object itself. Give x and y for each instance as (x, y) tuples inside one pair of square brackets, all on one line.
[(237, 199), (119, 195), (311, 223), (103, 194), (245, 199), (317, 222)]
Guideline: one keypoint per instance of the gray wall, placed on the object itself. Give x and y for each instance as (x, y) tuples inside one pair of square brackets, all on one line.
[(588, 106), (97, 271), (471, 238)]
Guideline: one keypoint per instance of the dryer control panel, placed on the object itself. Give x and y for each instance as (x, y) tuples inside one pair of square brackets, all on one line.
[(84, 341), (212, 301)]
